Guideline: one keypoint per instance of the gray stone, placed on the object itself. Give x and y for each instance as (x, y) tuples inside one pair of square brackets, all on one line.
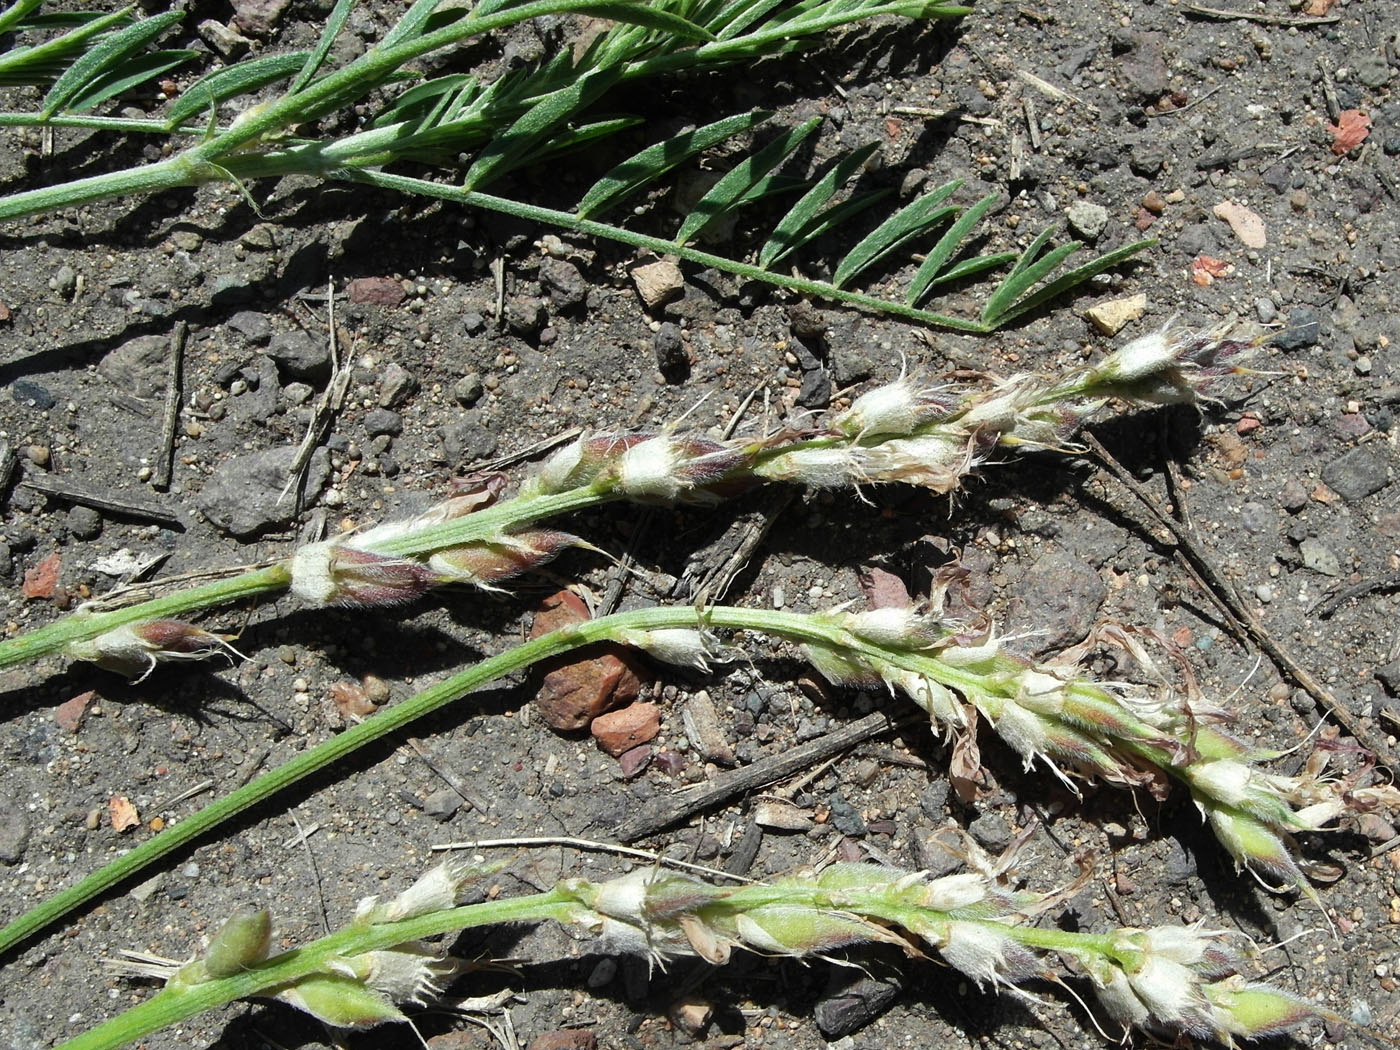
[(1302, 332), (14, 830), (671, 358), (1196, 238), (467, 442), (244, 495), (85, 523), (299, 356), (468, 390), (64, 281), (253, 326), (139, 366), (1318, 557), (35, 395), (816, 389), (525, 315), (1294, 496), (1257, 518), (845, 818), (1372, 69), (1144, 68), (566, 285), (1146, 159), (258, 17), (442, 805), (1061, 593), (1265, 309), (383, 421), (396, 385), (933, 855), (1356, 474), (1087, 220), (853, 1000), (1180, 865), (991, 831)]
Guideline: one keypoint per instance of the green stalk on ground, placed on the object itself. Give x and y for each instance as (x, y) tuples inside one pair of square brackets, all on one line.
[(1174, 980), (524, 118), (900, 433)]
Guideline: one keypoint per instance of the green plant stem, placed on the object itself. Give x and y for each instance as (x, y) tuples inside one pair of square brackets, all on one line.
[(297, 769), (388, 721), (173, 1003), (179, 1001), (659, 245), (83, 626)]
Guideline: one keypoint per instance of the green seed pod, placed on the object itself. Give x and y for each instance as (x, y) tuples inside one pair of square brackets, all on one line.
[(342, 1002), (241, 942), (1256, 1010)]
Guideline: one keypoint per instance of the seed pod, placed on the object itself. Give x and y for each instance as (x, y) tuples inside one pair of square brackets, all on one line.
[(241, 942), (135, 649), (336, 573)]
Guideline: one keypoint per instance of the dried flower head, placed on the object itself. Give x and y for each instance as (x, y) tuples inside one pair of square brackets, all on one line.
[(135, 649)]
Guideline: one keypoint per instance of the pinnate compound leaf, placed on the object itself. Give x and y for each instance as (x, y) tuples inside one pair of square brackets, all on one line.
[(97, 60), (745, 182), (46, 62), (532, 130), (648, 16), (1029, 269), (914, 218), (14, 16), (657, 159)]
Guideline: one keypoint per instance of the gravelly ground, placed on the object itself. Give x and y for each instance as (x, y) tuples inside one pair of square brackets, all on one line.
[(1164, 115)]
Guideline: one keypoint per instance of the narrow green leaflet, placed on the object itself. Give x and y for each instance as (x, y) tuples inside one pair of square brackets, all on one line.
[(800, 224), (737, 186), (313, 62), (744, 14), (230, 82), (529, 133), (20, 60), (971, 267), (1068, 280), (651, 17), (1027, 272), (654, 161), (427, 103), (913, 219), (946, 248), (100, 58), (142, 69), (16, 13), (414, 19), (577, 137)]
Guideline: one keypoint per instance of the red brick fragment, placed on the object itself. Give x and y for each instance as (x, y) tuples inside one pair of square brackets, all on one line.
[(580, 686), (619, 731)]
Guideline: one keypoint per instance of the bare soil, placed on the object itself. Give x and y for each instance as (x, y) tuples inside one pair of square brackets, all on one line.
[(1153, 113)]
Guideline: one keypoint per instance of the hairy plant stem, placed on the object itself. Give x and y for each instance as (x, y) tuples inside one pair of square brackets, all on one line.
[(86, 625), (82, 626), (659, 245), (173, 1004), (179, 1001), (249, 148), (177, 835)]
